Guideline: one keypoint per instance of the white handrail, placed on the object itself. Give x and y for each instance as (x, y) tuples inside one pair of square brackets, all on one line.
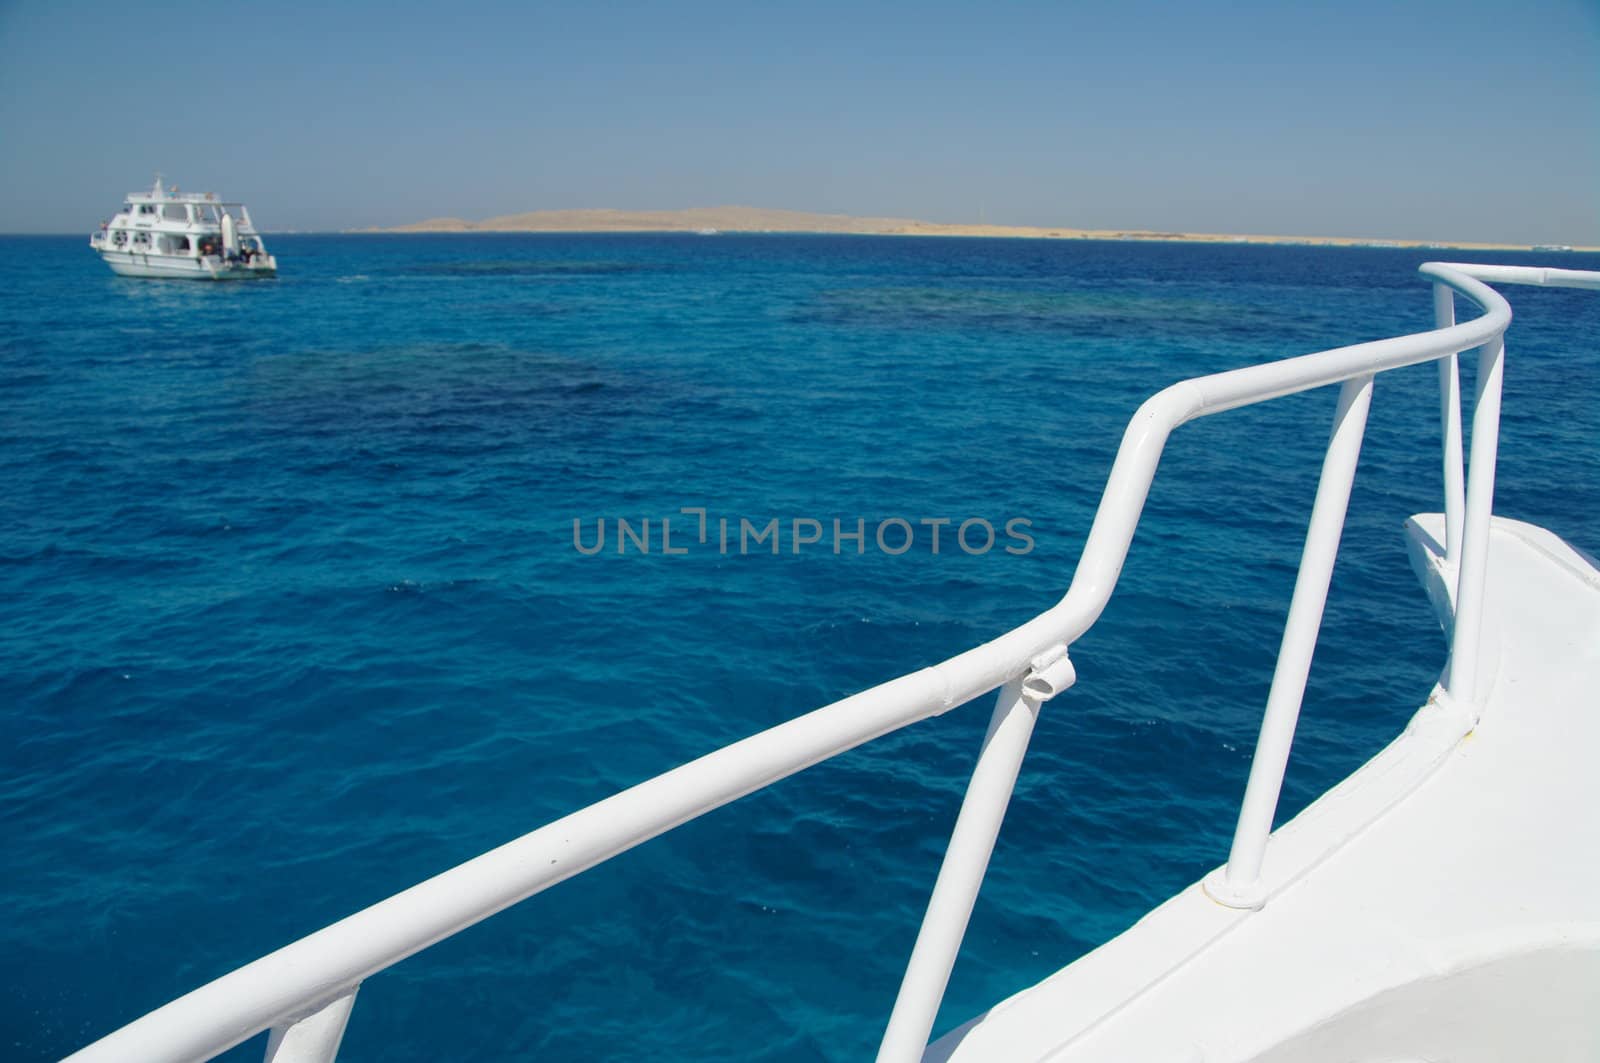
[(1455, 491), (1240, 884), (313, 978), (1539, 276)]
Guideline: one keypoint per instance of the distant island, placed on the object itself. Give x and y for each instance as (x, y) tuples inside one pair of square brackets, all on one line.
[(712, 220)]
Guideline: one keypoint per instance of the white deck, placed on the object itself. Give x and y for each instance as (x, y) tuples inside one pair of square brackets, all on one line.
[(1443, 903)]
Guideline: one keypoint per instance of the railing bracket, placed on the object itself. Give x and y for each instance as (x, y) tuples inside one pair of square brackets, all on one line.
[(1049, 674)]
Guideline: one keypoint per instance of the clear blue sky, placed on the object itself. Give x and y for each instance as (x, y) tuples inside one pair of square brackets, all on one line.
[(1462, 120)]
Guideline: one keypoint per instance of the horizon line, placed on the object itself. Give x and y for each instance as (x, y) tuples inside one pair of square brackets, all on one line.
[(994, 232)]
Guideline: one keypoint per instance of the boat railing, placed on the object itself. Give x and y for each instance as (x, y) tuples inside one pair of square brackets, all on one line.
[(303, 993)]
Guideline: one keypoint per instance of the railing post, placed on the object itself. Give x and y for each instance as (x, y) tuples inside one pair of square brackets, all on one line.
[(1462, 683), (313, 1038), (1444, 315), (1239, 885), (961, 874)]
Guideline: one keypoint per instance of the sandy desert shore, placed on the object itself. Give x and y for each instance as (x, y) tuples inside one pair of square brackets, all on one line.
[(756, 219)]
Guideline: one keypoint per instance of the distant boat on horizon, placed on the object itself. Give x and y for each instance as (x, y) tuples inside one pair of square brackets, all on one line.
[(197, 236)]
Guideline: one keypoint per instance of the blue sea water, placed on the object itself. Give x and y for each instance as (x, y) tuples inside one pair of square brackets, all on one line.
[(291, 614)]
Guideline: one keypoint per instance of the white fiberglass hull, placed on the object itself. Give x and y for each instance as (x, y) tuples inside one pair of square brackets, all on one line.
[(1364, 948), (136, 264)]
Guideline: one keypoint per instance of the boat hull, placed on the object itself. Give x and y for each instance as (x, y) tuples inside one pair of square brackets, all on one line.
[(133, 264)]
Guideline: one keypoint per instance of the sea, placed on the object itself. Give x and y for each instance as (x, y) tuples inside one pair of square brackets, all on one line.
[(303, 600)]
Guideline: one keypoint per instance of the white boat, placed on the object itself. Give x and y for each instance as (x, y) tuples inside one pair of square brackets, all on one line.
[(161, 233), (1441, 903)]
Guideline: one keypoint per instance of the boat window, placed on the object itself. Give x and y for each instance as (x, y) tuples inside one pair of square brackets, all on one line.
[(207, 213), (141, 238), (146, 208), (175, 212), (127, 208)]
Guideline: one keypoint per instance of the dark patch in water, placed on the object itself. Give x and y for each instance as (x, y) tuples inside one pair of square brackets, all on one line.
[(1079, 313)]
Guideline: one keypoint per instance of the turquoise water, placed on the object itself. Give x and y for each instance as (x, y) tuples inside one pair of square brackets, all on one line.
[(291, 614)]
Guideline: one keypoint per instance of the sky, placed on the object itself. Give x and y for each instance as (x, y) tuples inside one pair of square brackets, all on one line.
[(1386, 119)]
